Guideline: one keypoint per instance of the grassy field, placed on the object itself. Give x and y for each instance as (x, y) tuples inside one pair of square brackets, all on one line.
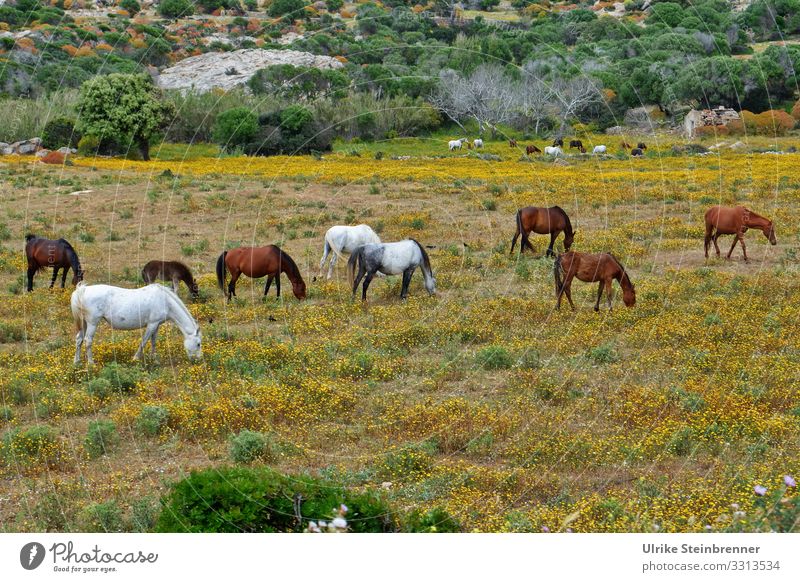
[(482, 401)]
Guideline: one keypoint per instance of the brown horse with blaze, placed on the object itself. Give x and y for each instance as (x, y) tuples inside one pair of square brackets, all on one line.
[(552, 221), (735, 220), (602, 267), (255, 262)]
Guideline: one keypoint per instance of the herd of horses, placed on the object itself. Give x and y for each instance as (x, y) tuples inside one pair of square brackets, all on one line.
[(150, 306), (556, 149)]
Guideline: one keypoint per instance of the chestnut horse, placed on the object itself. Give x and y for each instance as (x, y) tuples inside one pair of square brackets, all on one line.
[(552, 221), (532, 149), (255, 262), (173, 271), (59, 254), (602, 267), (735, 220)]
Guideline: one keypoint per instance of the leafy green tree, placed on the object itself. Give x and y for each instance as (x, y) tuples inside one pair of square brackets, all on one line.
[(175, 8), (713, 81), (668, 13), (235, 127), (291, 9), (126, 109)]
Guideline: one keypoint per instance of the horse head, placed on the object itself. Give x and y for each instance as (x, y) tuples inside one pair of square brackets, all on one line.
[(569, 238), (194, 289), (77, 276), (299, 289), (769, 232), (629, 296), (192, 343)]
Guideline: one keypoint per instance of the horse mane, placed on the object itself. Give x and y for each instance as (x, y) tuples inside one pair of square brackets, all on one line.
[(29, 237), (183, 271), (284, 258), (566, 219), (72, 255), (426, 262), (624, 275), (174, 296)]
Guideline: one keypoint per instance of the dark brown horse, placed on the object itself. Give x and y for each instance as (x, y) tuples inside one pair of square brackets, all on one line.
[(637, 152), (59, 254), (532, 149), (552, 221), (641, 145), (602, 267), (512, 143), (735, 220), (625, 145), (575, 143), (173, 271), (558, 142), (255, 262)]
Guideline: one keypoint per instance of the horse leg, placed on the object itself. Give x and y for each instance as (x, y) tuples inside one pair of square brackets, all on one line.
[(609, 293), (31, 273), (406, 282), (78, 342), (599, 295), (153, 343), (550, 252), (707, 241), (735, 240), (568, 290), (514, 242), (332, 264), (714, 240), (278, 284), (91, 328), (367, 281), (175, 284), (744, 248), (148, 332), (361, 272), (64, 277), (232, 285), (268, 285), (55, 276)]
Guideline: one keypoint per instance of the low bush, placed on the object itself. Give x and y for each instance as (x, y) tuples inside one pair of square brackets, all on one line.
[(152, 420), (249, 446), (101, 436)]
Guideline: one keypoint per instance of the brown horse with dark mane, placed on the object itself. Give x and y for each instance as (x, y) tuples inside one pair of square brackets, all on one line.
[(735, 220), (173, 271), (602, 267), (255, 262), (43, 253), (552, 221), (532, 149)]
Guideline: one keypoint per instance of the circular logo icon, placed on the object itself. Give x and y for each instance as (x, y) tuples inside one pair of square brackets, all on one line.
[(31, 555)]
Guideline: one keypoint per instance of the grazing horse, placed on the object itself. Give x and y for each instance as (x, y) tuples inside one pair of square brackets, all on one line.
[(626, 146), (173, 271), (255, 262), (558, 142), (532, 149), (553, 151), (455, 144), (641, 145), (575, 143), (345, 239), (146, 307), (390, 259), (582, 150), (552, 221), (602, 267), (735, 220), (59, 254), (637, 152), (599, 149), (478, 143), (512, 143)]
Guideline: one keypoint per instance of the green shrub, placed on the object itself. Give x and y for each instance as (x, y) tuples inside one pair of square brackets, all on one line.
[(434, 521), (408, 462), (101, 436), (100, 388), (175, 8), (494, 358), (102, 518), (261, 500), (6, 413), (88, 145), (11, 333), (602, 354), (489, 204), (132, 7), (152, 420), (144, 514), (235, 127), (121, 378), (249, 446), (34, 446), (60, 132), (291, 9)]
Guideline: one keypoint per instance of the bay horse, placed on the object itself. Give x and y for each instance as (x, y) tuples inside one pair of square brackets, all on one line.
[(625, 145), (512, 143), (390, 259), (575, 143), (173, 271), (552, 221), (558, 142), (735, 220), (147, 307), (641, 145), (59, 254), (255, 262), (532, 149), (602, 267)]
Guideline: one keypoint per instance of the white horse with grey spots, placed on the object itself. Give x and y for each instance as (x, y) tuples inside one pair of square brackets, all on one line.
[(146, 307), (390, 259), (345, 239)]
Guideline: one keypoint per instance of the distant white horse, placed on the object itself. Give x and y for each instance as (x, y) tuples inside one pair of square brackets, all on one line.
[(390, 259), (146, 307), (455, 144), (553, 151), (600, 149), (345, 239), (478, 143)]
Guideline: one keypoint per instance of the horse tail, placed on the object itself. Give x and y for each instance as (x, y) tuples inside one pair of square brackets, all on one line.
[(72, 256), (77, 306), (557, 274), (352, 263), (426, 261), (221, 270), (567, 222)]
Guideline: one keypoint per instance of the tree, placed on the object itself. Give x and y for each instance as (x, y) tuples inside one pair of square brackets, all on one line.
[(235, 127), (125, 109), (175, 8), (290, 9)]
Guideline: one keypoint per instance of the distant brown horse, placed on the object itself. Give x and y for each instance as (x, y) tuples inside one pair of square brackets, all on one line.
[(255, 262), (512, 143), (626, 146), (532, 149), (575, 143), (641, 145), (558, 142), (735, 220), (552, 221), (602, 267), (59, 254), (173, 271)]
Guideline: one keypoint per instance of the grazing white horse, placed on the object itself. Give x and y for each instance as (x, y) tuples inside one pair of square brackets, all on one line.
[(455, 144), (553, 151), (345, 239), (599, 149), (478, 143), (390, 259), (146, 307)]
